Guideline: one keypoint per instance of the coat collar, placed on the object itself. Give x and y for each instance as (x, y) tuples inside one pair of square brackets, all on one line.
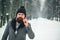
[(13, 24)]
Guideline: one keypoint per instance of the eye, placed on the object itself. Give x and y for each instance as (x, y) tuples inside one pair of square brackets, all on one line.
[(22, 14), (19, 14)]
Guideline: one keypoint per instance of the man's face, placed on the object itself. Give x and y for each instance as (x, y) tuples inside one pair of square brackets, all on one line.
[(20, 17)]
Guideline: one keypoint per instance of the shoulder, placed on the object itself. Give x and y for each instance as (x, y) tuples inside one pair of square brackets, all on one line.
[(29, 24), (12, 21)]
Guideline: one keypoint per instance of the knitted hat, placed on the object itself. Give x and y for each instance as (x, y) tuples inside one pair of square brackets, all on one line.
[(21, 10)]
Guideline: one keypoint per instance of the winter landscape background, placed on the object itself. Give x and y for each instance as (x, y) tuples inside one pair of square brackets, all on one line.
[(44, 16), (44, 29)]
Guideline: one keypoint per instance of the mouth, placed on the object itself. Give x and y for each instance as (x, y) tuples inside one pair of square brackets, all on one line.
[(19, 20)]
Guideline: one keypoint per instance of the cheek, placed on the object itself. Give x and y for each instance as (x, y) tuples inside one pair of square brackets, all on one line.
[(17, 16), (24, 16)]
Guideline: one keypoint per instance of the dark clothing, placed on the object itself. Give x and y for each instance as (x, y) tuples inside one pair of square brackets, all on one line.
[(21, 31)]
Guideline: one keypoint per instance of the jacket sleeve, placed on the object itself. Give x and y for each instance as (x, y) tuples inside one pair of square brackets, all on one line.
[(6, 32), (30, 32)]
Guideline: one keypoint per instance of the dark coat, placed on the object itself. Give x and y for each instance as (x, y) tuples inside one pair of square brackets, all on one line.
[(21, 31)]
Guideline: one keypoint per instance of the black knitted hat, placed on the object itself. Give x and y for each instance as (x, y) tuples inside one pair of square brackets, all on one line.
[(21, 10)]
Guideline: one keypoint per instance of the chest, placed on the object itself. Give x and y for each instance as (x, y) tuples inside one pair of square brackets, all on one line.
[(20, 31)]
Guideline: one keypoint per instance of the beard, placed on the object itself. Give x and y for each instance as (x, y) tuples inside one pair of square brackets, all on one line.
[(19, 20)]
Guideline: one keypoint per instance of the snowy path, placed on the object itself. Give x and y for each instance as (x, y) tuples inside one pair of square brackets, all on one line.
[(44, 29)]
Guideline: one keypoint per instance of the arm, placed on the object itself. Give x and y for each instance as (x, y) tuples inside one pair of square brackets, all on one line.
[(30, 32), (6, 32)]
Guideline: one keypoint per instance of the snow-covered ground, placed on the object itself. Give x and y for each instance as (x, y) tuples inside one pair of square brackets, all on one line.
[(44, 29)]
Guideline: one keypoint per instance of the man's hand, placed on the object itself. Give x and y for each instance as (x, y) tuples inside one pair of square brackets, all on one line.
[(25, 22)]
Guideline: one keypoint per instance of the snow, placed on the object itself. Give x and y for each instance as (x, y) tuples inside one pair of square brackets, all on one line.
[(2, 30), (43, 29)]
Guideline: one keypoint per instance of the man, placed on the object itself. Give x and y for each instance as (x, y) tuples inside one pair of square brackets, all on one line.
[(18, 27)]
